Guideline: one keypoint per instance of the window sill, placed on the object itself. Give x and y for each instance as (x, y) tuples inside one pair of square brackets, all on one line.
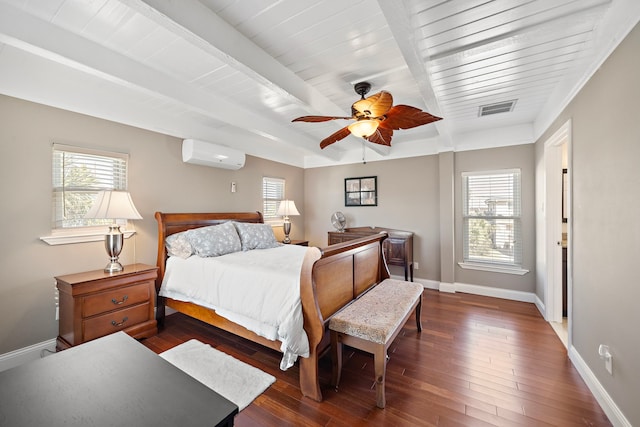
[(69, 238), (494, 268)]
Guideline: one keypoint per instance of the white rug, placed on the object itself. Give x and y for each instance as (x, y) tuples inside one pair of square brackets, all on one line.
[(233, 379)]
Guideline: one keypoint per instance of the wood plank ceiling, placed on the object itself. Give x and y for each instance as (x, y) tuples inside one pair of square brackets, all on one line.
[(235, 72)]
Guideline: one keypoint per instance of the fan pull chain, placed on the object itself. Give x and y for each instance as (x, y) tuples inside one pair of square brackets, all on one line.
[(364, 161)]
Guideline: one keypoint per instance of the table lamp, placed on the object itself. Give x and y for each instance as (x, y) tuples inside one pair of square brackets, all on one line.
[(286, 208), (113, 205)]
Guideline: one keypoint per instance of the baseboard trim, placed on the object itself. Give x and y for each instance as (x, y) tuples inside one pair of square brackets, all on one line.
[(478, 290), (447, 287), (26, 354), (608, 405), (541, 307), (488, 291)]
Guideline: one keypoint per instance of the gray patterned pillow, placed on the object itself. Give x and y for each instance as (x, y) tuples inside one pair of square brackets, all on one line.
[(214, 240), (256, 236), (178, 245)]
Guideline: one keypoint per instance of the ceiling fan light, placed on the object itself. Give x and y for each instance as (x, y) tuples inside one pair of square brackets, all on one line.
[(363, 128)]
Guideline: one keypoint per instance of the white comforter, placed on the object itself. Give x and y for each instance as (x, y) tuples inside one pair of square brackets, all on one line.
[(258, 289)]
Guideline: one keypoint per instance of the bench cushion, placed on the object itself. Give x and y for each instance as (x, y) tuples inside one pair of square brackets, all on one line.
[(376, 315)]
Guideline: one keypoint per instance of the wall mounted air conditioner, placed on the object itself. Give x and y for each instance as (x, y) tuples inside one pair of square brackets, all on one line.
[(208, 154)]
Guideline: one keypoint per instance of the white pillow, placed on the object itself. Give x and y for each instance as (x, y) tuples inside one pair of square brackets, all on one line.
[(178, 245)]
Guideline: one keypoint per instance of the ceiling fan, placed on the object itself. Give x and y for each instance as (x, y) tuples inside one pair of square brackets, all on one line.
[(375, 118)]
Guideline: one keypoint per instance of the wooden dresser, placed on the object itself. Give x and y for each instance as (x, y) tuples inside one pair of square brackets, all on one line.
[(397, 247), (95, 303)]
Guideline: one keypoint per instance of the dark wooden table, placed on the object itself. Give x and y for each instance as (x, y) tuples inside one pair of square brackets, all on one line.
[(110, 381)]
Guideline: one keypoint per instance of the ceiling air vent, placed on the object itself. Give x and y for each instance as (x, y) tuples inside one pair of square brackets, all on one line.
[(500, 107)]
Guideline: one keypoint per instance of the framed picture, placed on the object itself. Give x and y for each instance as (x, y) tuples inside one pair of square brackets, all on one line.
[(362, 191)]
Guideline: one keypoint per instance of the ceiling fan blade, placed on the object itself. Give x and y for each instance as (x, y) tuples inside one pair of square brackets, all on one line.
[(317, 119), (406, 117), (336, 136), (381, 136), (373, 106)]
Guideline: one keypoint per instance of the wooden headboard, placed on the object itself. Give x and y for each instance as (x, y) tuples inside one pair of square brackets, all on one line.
[(171, 223)]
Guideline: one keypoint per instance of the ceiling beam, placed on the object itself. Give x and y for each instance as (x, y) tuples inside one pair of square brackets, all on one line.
[(199, 25), (29, 33), (204, 28), (399, 21)]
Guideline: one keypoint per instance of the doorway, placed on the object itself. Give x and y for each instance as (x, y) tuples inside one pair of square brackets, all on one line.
[(557, 293)]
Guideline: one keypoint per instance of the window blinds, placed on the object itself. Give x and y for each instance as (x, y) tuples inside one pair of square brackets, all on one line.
[(78, 175), (492, 225), (272, 194)]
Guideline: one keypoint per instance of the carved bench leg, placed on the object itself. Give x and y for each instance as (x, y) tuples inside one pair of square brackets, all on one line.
[(336, 359), (419, 314), (380, 368)]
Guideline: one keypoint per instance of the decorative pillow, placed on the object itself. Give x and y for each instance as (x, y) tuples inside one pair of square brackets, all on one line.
[(178, 245), (214, 240), (256, 236)]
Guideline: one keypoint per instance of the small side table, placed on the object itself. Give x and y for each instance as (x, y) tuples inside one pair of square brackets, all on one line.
[(94, 304), (299, 242)]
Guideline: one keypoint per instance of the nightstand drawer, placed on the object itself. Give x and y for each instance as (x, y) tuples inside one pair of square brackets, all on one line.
[(115, 299), (115, 321)]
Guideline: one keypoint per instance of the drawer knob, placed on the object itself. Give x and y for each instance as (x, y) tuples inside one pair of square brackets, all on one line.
[(116, 324), (116, 302)]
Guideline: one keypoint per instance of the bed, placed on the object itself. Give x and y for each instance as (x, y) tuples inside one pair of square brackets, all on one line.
[(330, 278)]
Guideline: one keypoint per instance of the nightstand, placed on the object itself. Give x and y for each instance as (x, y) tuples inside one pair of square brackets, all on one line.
[(299, 242), (95, 303)]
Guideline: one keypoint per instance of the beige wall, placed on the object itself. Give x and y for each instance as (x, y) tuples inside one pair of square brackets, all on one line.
[(158, 180), (520, 157), (605, 167), (407, 200)]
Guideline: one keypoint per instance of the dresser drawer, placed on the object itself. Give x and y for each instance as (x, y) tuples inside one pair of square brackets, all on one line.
[(115, 299), (115, 321)]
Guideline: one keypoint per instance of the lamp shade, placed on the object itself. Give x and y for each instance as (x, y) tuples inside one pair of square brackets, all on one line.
[(364, 128), (113, 205), (287, 208)]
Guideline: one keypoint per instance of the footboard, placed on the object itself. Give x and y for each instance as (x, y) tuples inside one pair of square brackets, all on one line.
[(342, 273)]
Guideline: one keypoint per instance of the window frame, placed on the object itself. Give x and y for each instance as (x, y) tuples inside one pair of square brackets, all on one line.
[(494, 265), (83, 233)]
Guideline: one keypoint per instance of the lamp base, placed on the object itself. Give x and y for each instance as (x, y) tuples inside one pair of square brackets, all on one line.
[(286, 227), (113, 244), (113, 267)]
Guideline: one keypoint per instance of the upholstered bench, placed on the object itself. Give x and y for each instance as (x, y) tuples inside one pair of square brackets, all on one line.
[(372, 322)]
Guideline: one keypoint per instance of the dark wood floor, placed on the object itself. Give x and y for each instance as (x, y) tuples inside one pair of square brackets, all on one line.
[(479, 361)]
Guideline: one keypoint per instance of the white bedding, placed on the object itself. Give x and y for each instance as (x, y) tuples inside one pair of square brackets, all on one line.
[(258, 289)]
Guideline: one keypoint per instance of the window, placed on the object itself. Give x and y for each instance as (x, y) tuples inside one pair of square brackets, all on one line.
[(272, 195), (491, 212), (78, 175)]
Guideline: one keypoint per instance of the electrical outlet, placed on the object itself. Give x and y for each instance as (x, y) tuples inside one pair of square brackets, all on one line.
[(605, 354), (416, 266), (608, 364)]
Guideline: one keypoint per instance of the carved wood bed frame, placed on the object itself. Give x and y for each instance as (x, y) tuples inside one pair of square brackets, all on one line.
[(330, 278)]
